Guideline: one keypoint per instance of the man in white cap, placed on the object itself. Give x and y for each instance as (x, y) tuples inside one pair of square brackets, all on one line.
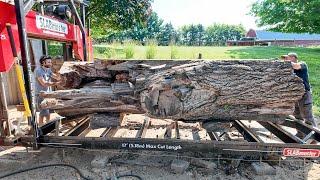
[(303, 108)]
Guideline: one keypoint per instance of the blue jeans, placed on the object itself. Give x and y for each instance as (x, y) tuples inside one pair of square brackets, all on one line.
[(303, 109)]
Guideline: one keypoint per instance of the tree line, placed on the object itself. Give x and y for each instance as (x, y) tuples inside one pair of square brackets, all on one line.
[(131, 19), (154, 29)]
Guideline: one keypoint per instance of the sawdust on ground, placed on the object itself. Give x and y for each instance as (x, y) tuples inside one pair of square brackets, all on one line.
[(148, 165)]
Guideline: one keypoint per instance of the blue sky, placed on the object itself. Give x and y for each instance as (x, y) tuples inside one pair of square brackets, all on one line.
[(206, 12)]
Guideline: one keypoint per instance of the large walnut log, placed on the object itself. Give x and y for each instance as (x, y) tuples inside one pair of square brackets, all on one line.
[(184, 90), (76, 74), (225, 90), (91, 100)]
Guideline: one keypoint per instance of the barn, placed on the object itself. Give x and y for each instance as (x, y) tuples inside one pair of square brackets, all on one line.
[(268, 38)]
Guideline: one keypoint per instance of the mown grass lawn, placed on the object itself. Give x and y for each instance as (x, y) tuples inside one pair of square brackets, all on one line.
[(309, 55)]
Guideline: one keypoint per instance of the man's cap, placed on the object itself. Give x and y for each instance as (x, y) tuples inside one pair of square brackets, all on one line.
[(284, 56), (43, 58), (292, 54)]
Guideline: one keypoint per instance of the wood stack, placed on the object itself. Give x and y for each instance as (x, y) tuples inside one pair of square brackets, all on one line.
[(180, 90)]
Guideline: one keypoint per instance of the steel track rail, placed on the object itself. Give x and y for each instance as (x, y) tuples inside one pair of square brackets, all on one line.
[(251, 146)]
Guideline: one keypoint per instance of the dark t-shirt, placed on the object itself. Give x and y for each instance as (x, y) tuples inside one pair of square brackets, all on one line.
[(303, 74)]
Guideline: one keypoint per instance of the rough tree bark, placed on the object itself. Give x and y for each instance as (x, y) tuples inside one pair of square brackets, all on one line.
[(183, 90)]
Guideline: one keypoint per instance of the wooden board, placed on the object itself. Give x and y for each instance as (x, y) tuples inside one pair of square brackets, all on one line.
[(95, 132), (265, 135)]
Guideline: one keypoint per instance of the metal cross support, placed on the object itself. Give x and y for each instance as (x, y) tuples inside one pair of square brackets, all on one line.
[(26, 64), (81, 25)]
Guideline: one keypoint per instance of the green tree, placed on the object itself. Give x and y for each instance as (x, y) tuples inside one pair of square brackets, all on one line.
[(117, 14), (139, 32), (200, 35), (288, 15), (192, 35), (167, 35), (218, 34), (184, 31), (150, 30)]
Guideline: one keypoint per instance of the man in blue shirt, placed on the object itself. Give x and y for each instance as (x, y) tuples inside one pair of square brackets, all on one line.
[(43, 83), (303, 108)]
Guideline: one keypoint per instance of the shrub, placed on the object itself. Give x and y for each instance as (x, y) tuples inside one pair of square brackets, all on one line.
[(104, 51), (99, 49), (129, 47), (109, 52), (173, 52), (151, 50)]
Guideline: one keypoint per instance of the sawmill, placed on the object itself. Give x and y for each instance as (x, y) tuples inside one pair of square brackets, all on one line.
[(226, 107)]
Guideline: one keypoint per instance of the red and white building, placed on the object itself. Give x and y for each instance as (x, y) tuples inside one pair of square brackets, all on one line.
[(268, 38)]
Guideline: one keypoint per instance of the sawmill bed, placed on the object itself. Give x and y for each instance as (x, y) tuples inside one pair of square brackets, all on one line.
[(138, 132)]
